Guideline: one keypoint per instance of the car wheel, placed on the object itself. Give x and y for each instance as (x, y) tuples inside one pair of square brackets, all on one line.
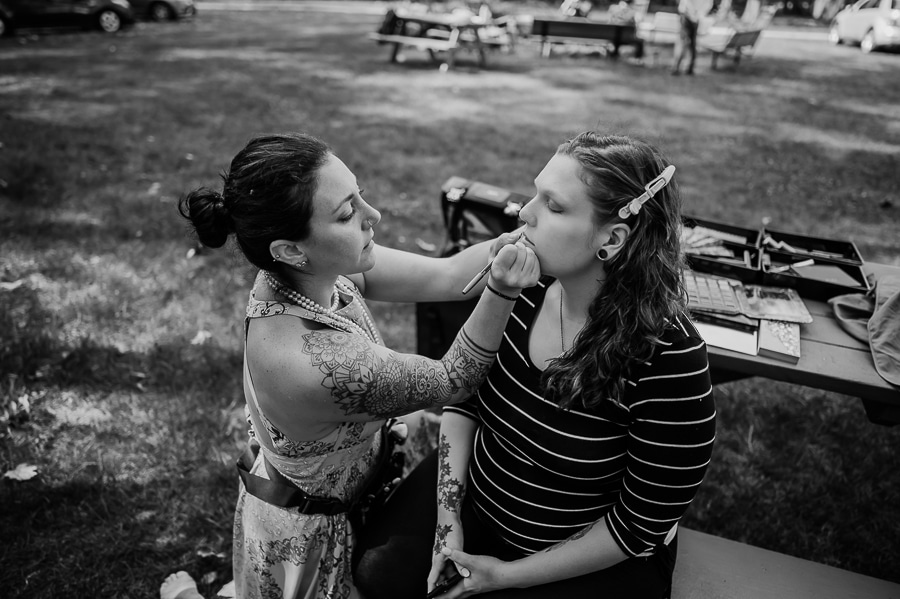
[(109, 21), (160, 11), (834, 35), (868, 42)]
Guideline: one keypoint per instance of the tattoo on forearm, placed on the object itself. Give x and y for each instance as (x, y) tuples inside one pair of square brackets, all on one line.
[(440, 536), (450, 490), (581, 533), (467, 362), (361, 382)]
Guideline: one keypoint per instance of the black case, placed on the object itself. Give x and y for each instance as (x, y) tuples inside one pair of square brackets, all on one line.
[(473, 212)]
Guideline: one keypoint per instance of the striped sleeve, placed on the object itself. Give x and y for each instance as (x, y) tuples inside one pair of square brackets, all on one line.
[(670, 443), (467, 408)]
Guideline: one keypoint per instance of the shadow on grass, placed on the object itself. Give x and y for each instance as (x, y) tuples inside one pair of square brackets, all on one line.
[(809, 442), (115, 539), (134, 452), (32, 353)]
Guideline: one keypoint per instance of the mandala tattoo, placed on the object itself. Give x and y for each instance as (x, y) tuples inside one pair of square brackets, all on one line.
[(450, 490), (362, 382), (440, 536)]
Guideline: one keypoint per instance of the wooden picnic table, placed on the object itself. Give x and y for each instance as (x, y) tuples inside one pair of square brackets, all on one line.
[(830, 359), (435, 32)]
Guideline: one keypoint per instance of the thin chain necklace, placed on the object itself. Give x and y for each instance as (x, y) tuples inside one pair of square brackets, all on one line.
[(327, 316), (562, 335)]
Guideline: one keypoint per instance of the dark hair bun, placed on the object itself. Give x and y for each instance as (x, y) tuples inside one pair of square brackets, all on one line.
[(206, 210)]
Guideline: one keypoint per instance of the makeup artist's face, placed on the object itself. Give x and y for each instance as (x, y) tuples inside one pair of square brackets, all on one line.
[(560, 222), (341, 231)]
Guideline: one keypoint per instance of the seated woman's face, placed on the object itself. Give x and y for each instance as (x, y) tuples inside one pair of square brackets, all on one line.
[(560, 221), (341, 228)]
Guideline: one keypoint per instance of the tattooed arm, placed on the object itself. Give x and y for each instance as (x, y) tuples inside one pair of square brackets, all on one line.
[(309, 378), (454, 451)]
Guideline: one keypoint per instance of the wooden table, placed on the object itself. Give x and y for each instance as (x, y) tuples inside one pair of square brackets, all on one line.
[(830, 359), (435, 32)]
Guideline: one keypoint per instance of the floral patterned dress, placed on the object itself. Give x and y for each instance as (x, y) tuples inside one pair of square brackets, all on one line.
[(280, 552)]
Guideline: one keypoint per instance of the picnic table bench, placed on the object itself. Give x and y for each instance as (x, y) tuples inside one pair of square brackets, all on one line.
[(664, 28), (433, 32), (584, 31), (736, 43), (710, 567)]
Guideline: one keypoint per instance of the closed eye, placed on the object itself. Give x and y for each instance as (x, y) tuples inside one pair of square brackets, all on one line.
[(349, 216)]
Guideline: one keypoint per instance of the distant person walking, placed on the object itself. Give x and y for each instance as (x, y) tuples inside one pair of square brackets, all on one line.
[(690, 11)]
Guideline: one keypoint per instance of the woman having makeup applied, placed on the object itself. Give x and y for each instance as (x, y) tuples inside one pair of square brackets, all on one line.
[(318, 380), (567, 473)]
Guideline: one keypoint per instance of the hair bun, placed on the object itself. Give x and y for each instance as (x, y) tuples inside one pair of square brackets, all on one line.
[(207, 211)]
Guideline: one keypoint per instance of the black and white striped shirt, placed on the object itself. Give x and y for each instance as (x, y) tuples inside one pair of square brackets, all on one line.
[(539, 474)]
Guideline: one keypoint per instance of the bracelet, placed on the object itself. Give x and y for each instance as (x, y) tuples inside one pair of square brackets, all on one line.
[(495, 292)]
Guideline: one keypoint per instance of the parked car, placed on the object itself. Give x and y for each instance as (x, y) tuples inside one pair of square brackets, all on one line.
[(164, 10), (873, 24), (107, 15)]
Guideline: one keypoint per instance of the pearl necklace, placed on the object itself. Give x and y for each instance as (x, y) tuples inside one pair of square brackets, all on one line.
[(328, 316)]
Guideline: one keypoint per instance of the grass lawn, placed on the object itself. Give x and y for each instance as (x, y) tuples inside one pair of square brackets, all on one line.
[(120, 354)]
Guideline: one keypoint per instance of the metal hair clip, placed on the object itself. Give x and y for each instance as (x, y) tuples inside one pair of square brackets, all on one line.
[(651, 189)]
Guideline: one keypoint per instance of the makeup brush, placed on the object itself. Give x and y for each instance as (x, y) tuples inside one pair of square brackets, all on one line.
[(485, 270)]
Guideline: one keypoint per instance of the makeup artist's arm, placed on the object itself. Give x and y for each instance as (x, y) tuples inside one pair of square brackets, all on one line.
[(401, 276)]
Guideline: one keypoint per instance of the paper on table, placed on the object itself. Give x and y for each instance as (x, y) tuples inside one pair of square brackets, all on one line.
[(728, 338), (774, 303), (779, 340)]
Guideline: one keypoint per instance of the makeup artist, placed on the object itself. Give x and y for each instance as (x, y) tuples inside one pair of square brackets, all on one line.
[(318, 380), (567, 473)]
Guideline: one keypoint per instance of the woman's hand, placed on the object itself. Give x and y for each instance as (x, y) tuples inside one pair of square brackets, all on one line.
[(515, 267), (449, 533), (485, 573), (506, 239)]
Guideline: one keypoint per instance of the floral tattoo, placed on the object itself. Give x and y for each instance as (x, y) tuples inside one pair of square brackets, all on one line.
[(440, 536), (362, 382), (450, 490)]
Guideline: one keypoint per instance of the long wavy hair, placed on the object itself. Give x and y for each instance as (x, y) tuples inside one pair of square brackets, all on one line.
[(643, 291)]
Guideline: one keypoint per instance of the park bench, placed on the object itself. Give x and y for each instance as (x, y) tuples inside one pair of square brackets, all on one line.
[(710, 567), (736, 43), (551, 31)]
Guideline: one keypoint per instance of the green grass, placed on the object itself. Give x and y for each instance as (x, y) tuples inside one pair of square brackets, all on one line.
[(134, 428)]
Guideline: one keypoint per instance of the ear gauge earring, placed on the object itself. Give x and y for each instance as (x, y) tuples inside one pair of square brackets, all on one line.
[(602, 254)]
